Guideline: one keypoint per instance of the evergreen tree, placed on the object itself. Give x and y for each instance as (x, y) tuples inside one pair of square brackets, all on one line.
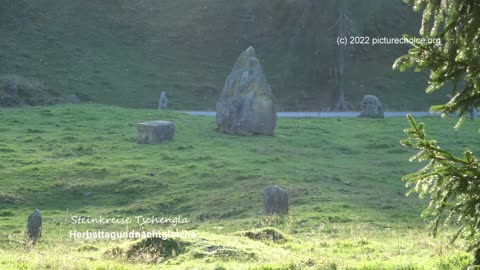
[(451, 182)]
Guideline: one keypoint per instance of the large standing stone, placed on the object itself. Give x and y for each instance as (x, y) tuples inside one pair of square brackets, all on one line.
[(163, 101), (155, 132), (34, 227), (371, 107), (247, 105), (275, 200)]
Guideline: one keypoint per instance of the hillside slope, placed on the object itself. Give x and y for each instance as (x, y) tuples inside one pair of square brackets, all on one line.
[(126, 52), (347, 208)]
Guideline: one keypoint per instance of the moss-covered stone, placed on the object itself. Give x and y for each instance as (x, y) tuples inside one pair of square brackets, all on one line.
[(149, 250), (265, 234), (224, 253), (86, 248)]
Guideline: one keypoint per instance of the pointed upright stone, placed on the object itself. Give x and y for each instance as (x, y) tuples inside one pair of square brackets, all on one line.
[(247, 105), (163, 101)]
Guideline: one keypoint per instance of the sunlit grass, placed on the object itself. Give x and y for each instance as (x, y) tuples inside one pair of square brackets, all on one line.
[(347, 204)]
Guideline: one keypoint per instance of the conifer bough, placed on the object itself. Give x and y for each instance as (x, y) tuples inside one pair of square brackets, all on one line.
[(451, 182)]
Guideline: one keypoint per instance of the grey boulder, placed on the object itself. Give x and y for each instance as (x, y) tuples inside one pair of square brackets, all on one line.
[(246, 105), (371, 107), (154, 132)]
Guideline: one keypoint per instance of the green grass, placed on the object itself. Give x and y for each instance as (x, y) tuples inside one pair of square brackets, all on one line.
[(347, 204)]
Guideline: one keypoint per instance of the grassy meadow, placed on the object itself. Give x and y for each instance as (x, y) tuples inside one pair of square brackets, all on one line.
[(348, 208)]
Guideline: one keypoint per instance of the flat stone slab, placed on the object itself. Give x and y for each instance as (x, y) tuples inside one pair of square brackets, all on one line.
[(154, 132)]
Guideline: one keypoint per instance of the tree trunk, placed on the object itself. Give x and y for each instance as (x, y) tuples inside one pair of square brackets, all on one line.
[(339, 99)]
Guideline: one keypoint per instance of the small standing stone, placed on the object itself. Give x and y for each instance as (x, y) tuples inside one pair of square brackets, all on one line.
[(34, 227), (275, 200), (155, 132), (371, 107), (473, 113), (163, 102)]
